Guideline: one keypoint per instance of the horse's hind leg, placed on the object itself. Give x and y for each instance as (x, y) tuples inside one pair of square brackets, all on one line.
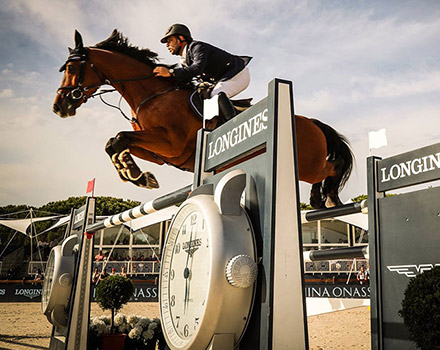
[(316, 198), (332, 184), (126, 167), (330, 190)]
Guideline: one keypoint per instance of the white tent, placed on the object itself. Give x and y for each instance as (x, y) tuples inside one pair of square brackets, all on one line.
[(24, 225)]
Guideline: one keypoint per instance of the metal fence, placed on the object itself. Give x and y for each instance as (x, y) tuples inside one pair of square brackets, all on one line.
[(335, 266), (132, 268), (142, 268)]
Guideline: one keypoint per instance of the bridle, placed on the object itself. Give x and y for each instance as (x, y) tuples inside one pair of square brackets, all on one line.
[(77, 93)]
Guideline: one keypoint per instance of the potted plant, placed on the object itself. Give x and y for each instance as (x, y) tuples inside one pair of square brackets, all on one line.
[(111, 294), (421, 309), (143, 333)]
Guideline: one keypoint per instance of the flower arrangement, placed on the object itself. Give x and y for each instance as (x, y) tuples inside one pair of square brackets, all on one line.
[(143, 332)]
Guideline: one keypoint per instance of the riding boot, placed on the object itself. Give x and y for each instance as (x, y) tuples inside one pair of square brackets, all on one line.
[(226, 109)]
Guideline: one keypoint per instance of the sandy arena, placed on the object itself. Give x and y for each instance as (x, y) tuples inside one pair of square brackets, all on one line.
[(24, 327)]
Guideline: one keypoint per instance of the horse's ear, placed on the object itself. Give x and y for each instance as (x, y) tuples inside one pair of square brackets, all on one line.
[(70, 50), (78, 40)]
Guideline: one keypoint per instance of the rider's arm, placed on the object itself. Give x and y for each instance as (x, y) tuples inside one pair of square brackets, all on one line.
[(199, 55)]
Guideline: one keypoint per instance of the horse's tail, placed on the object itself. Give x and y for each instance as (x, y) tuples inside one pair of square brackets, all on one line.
[(338, 152)]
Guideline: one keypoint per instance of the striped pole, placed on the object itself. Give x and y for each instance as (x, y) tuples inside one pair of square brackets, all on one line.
[(150, 207)]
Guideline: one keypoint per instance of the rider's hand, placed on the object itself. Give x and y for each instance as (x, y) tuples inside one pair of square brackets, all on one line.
[(162, 72)]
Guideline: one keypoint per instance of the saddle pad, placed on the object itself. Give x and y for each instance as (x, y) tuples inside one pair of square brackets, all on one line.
[(196, 104)]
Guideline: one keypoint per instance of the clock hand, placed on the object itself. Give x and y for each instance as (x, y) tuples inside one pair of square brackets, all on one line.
[(185, 275), (189, 276), (186, 272)]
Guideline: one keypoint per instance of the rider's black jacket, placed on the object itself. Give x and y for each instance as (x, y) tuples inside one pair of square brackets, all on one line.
[(209, 63)]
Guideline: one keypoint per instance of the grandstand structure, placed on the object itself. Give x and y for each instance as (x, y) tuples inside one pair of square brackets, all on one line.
[(135, 247)]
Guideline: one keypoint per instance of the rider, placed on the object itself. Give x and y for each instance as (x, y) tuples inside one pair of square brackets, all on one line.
[(228, 73)]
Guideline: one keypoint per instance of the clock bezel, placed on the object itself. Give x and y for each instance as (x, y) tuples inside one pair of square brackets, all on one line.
[(227, 308), (60, 285)]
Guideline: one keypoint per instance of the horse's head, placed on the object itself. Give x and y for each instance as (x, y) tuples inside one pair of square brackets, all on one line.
[(79, 82)]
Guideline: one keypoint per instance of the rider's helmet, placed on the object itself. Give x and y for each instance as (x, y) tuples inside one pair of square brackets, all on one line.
[(177, 29)]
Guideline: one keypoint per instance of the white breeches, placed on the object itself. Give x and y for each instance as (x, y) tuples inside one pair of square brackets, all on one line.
[(233, 86)]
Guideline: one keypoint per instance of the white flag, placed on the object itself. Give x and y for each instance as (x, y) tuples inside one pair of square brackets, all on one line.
[(377, 139)]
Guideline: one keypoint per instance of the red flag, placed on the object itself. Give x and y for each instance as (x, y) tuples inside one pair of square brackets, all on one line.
[(91, 186)]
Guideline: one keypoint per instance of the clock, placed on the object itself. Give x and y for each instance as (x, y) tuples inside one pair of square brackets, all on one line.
[(208, 269), (57, 283)]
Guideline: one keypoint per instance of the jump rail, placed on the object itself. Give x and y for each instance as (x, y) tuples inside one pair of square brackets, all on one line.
[(333, 254), (342, 210), (150, 207), (341, 253)]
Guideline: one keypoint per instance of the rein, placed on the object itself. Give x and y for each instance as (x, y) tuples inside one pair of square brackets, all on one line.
[(78, 91)]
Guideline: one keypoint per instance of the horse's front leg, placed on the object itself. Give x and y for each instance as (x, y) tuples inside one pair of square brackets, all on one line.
[(114, 157), (127, 169)]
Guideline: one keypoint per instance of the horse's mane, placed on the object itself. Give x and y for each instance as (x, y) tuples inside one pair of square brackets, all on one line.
[(118, 43)]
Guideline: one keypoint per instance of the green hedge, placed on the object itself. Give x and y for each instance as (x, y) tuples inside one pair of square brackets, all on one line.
[(421, 309)]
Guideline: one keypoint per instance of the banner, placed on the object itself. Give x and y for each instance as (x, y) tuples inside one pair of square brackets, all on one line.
[(148, 292), (340, 291), (17, 293)]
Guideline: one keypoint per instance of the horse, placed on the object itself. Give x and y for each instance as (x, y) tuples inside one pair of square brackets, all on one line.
[(165, 126)]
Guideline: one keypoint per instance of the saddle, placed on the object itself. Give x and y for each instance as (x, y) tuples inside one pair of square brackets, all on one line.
[(195, 100)]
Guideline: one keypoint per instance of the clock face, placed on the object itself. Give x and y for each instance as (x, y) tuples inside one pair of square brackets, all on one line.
[(185, 275), (48, 279)]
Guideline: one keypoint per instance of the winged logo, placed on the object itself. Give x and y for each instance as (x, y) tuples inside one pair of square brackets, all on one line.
[(411, 270)]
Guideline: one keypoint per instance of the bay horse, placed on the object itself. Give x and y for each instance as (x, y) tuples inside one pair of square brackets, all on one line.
[(165, 127)]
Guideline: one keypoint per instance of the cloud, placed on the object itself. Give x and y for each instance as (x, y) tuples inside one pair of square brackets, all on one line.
[(6, 94), (21, 77), (320, 101), (381, 88), (47, 22), (356, 66), (405, 85)]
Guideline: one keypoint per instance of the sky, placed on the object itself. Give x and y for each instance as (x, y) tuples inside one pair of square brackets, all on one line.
[(358, 66)]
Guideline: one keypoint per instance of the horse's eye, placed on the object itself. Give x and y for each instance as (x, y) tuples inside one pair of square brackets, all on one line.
[(71, 69)]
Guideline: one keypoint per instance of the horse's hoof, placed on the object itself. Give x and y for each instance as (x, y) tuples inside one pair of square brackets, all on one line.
[(316, 204), (147, 180), (151, 180), (332, 202)]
